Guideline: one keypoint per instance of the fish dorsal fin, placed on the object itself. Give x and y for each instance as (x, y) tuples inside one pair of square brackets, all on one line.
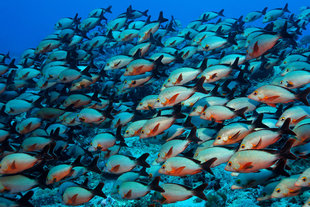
[(256, 48), (128, 194), (179, 80), (155, 129), (169, 153), (115, 168)]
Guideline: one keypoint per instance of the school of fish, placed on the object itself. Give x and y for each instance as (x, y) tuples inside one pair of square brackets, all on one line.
[(219, 91)]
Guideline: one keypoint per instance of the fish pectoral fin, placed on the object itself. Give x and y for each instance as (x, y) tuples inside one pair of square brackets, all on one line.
[(169, 153), (214, 75), (28, 127), (72, 200), (155, 129), (256, 48), (115, 168), (299, 119), (293, 191), (128, 194), (258, 144), (13, 165), (247, 165), (177, 170), (270, 98), (271, 104), (235, 136), (179, 80), (289, 84), (172, 99)]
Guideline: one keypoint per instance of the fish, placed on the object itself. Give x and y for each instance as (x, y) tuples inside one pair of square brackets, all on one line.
[(272, 94), (182, 166), (134, 190), (303, 179), (77, 195), (119, 164), (176, 146), (243, 161), (176, 192), (286, 188)]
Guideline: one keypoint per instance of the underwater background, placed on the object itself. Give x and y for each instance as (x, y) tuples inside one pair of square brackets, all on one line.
[(141, 110)]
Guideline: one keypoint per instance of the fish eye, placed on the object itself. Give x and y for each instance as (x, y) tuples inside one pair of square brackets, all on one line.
[(283, 118), (168, 80), (304, 179), (126, 70), (242, 146), (140, 104), (287, 70), (127, 132), (158, 155), (229, 164), (108, 64), (281, 82), (218, 138), (238, 181), (255, 93), (142, 131), (157, 100), (278, 190), (285, 62), (125, 82), (163, 167)]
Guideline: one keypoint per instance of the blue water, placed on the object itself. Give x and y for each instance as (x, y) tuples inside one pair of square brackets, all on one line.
[(25, 22)]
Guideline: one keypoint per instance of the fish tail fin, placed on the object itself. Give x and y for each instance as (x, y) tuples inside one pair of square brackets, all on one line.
[(156, 41), (206, 165), (221, 13), (24, 200), (199, 86), (285, 9), (120, 137), (264, 10), (285, 128), (12, 64), (141, 160), (280, 168), (143, 172), (231, 38), (155, 185), (192, 136), (93, 165), (204, 64), (98, 190), (235, 64), (188, 122), (285, 152), (258, 122), (145, 12), (161, 18), (108, 9), (302, 96), (177, 112), (240, 112), (199, 191), (77, 161)]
